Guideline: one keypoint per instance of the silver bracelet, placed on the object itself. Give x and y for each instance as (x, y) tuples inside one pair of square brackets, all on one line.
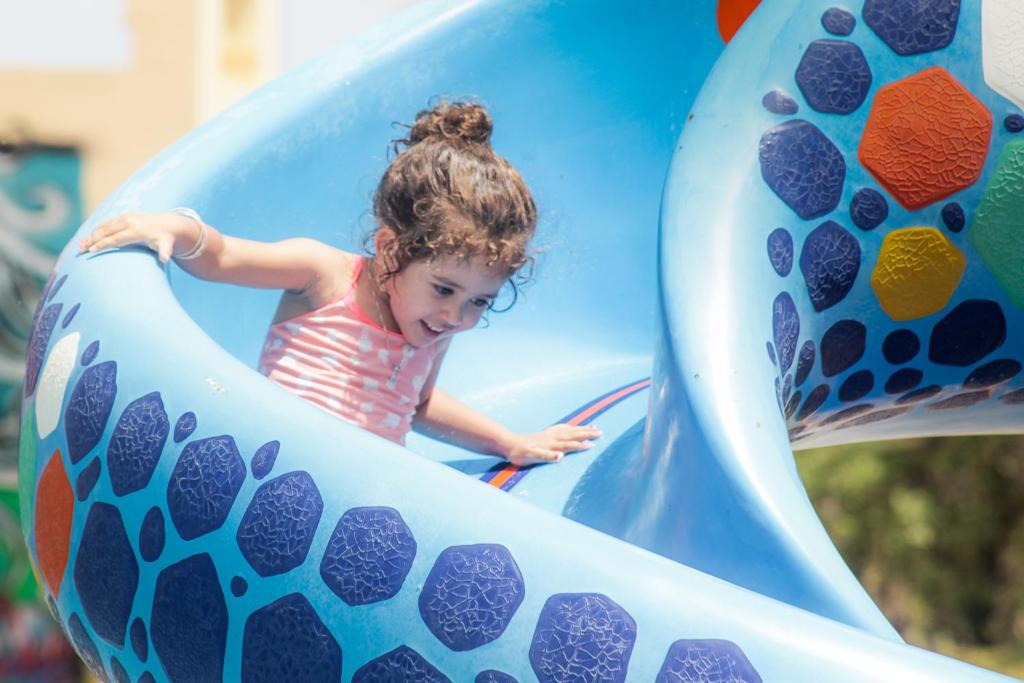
[(204, 232)]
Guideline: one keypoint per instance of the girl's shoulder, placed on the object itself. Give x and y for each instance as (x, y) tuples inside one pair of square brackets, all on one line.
[(335, 271)]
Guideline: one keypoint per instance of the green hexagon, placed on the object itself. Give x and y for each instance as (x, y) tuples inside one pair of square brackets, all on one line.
[(27, 467), (997, 233)]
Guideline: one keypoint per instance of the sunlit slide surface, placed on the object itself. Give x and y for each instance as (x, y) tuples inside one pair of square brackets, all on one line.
[(824, 246)]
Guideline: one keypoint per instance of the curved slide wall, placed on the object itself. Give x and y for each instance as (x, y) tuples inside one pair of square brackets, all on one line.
[(190, 521)]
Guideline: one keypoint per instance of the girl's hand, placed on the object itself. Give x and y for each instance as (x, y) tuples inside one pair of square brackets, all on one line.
[(550, 445), (156, 231)]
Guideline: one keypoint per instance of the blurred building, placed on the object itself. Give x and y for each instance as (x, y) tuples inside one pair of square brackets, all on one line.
[(116, 80)]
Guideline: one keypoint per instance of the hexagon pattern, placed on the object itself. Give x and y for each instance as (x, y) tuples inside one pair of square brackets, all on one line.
[(917, 271), (926, 138)]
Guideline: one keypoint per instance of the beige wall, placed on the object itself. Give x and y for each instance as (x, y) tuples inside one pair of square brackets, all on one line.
[(191, 58)]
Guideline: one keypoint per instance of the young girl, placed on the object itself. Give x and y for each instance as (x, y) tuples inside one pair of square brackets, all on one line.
[(364, 337)]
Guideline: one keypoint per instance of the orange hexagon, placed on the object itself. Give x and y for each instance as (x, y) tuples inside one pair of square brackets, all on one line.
[(55, 508), (926, 138), (917, 271), (732, 14)]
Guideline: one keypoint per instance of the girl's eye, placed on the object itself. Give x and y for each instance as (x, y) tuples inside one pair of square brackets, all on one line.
[(481, 303), (443, 291)]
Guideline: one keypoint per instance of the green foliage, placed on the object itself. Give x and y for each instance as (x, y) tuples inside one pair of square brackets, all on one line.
[(16, 580), (934, 529)]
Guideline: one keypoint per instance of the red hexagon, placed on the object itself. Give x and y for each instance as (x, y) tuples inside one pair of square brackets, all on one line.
[(926, 138), (55, 508)]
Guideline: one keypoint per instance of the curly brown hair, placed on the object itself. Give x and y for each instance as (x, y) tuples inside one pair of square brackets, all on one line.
[(448, 193)]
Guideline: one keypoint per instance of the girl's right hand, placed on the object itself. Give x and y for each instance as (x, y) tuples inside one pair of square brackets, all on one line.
[(157, 231), (551, 444)]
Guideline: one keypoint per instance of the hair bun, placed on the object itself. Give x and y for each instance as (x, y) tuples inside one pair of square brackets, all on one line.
[(456, 122)]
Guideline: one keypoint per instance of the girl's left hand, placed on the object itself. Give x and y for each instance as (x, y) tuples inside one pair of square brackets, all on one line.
[(551, 444)]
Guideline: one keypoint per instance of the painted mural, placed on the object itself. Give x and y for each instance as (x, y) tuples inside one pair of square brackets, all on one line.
[(40, 205)]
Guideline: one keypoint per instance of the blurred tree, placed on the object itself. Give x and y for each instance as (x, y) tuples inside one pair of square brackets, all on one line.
[(934, 529)]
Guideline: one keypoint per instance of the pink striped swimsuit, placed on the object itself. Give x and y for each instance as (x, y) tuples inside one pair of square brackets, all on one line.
[(338, 359)]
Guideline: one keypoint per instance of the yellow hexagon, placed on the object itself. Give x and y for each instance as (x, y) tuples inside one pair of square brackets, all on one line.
[(917, 271)]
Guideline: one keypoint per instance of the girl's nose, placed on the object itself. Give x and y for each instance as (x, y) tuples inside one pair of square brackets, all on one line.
[(452, 316)]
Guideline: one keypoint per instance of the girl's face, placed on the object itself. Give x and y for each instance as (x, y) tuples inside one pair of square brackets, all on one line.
[(435, 299)]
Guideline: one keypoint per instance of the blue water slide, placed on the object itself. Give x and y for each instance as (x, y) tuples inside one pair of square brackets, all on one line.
[(190, 520)]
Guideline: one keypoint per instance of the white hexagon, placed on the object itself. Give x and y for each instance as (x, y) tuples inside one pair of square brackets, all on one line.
[(1002, 47), (53, 382)]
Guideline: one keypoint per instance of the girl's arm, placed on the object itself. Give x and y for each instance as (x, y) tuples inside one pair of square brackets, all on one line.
[(444, 417), (296, 264)]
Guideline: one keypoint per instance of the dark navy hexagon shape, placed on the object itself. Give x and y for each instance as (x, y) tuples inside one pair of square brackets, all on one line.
[(37, 343), (1013, 398), (278, 526), (913, 28), (856, 386), (140, 640), (117, 671), (582, 637), (829, 261), (494, 676), (263, 461), (45, 293), (289, 625), (56, 288), (962, 400), (780, 251), (778, 102), (368, 555), (203, 485), (814, 400), (868, 209), (922, 394), (184, 427), (833, 76), (152, 535), (953, 217), (802, 166), (706, 661), (189, 621), (875, 416), (401, 664), (805, 362), (85, 647), (903, 380), (900, 346), (89, 355), (842, 345), (993, 373), (87, 479), (471, 595), (792, 403), (968, 333), (70, 315), (88, 409), (136, 444), (786, 329), (838, 21), (847, 413), (106, 573)]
